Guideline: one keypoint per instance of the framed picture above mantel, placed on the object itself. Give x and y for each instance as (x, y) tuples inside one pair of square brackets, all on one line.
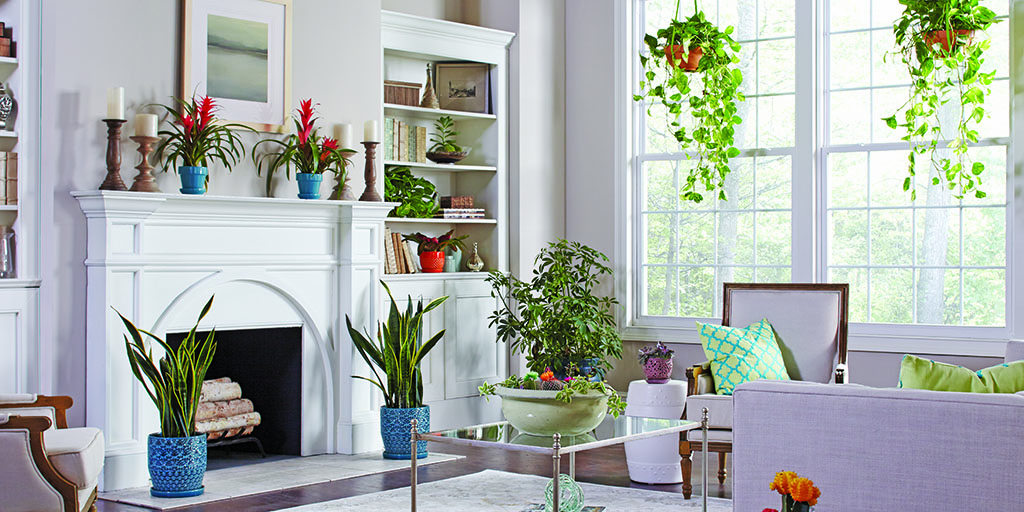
[(239, 53)]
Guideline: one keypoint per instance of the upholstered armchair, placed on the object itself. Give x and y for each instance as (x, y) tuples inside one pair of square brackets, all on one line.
[(46, 465), (810, 322)]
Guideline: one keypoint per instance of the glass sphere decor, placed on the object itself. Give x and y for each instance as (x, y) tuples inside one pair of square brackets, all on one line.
[(570, 495)]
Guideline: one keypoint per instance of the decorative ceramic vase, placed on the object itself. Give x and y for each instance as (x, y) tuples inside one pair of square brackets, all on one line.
[(475, 264), (395, 430), (540, 413), (309, 184), (6, 106), (429, 98), (658, 370), (193, 180), (177, 465), (452, 260), (432, 261)]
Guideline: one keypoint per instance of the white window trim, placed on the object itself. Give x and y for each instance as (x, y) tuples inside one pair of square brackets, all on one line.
[(808, 250)]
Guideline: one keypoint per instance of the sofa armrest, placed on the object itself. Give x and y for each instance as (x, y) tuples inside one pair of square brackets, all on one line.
[(39, 405), (33, 427)]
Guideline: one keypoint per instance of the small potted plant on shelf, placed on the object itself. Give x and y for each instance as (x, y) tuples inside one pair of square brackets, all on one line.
[(936, 41), (431, 249), (177, 454), (798, 494), (444, 149), (696, 48), (311, 154), (417, 197), (657, 363), (566, 332), (397, 354), (195, 140)]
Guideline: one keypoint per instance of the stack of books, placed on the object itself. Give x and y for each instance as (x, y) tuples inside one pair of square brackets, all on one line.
[(8, 178), (404, 142), (400, 255), (460, 213)]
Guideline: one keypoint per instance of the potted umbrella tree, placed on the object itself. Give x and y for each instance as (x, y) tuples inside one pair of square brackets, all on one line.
[(177, 454), (195, 140), (397, 355)]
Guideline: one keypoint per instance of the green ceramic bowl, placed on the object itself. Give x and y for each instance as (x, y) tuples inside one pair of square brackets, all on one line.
[(539, 413)]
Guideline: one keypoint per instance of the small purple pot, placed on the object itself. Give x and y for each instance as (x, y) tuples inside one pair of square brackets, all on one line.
[(658, 370)]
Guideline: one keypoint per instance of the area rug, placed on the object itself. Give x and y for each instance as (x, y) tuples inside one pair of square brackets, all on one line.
[(498, 491), (222, 484)]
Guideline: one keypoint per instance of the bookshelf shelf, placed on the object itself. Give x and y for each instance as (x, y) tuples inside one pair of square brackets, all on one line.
[(8, 207), (7, 66), (430, 166), (426, 276), (433, 113), (400, 220)]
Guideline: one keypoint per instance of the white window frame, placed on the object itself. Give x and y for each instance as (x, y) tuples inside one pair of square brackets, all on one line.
[(809, 237)]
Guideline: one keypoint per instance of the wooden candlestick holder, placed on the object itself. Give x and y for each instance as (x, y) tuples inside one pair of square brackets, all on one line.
[(370, 173), (144, 181), (343, 188), (113, 180)]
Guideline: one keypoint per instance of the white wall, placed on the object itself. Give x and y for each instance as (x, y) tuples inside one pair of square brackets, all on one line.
[(450, 10), (90, 46)]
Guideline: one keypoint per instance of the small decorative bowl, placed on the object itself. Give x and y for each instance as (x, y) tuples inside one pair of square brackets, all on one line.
[(446, 157)]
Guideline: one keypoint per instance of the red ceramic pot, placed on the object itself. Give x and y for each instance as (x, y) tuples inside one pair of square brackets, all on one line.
[(432, 261)]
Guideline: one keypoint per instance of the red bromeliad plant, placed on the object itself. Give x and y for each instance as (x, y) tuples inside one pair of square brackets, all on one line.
[(437, 244), (196, 139), (307, 151)]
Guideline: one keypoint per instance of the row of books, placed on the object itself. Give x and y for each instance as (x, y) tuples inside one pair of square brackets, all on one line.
[(404, 142), (8, 178), (460, 213), (400, 255)]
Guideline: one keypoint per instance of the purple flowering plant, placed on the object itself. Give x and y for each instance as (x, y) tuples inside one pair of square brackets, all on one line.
[(659, 351)]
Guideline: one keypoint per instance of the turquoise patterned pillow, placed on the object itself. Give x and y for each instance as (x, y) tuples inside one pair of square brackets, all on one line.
[(741, 355)]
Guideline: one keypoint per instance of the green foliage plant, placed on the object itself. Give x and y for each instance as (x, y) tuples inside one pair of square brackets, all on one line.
[(440, 243), (712, 103), (443, 138), (582, 386), (943, 74), (398, 352), (175, 382), (417, 197), (555, 318), (196, 138)]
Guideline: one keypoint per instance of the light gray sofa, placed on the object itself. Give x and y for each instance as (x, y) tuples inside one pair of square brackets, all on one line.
[(880, 449)]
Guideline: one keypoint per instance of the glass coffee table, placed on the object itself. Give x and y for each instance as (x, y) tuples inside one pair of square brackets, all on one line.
[(612, 431)]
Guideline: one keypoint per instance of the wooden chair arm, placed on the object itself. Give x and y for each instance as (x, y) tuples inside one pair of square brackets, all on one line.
[(36, 425), (60, 405)]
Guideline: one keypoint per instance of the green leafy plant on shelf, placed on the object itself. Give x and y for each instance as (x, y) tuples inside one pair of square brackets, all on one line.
[(675, 54), (417, 196), (936, 40), (443, 138)]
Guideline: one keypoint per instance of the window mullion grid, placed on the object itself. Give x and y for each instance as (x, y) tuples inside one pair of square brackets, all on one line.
[(803, 168)]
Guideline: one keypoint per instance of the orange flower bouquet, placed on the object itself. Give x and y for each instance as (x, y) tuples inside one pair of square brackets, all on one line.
[(798, 494)]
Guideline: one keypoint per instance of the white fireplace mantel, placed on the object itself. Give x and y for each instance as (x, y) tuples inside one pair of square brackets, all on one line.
[(156, 258)]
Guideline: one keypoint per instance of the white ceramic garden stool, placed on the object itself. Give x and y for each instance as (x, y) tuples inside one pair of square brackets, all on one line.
[(655, 460)]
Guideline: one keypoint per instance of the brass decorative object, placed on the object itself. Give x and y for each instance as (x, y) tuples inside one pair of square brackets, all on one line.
[(429, 97), (475, 263)]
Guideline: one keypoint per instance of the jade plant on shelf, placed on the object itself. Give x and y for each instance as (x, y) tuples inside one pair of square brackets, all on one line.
[(431, 249), (444, 149), (195, 140), (417, 197), (311, 154), (938, 42), (675, 55)]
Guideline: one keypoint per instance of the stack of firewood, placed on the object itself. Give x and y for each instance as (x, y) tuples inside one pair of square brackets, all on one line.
[(223, 412)]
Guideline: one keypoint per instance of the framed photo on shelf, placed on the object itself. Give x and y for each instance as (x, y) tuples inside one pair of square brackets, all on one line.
[(239, 53), (463, 86)]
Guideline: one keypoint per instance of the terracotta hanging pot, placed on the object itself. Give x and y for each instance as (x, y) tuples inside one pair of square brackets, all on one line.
[(675, 53), (942, 38)]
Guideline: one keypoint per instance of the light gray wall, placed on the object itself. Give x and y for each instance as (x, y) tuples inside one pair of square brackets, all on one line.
[(450, 10), (91, 46)]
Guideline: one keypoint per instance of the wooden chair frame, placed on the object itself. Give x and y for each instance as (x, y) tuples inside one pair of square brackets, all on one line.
[(686, 448)]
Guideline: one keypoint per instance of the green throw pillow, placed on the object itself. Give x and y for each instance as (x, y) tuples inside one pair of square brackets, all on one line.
[(741, 355), (919, 373)]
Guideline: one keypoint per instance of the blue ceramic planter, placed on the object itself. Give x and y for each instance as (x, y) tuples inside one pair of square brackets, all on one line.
[(395, 430), (309, 185), (193, 179), (177, 465), (586, 366)]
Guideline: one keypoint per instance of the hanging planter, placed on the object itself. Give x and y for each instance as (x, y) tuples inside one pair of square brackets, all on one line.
[(697, 49), (936, 41)]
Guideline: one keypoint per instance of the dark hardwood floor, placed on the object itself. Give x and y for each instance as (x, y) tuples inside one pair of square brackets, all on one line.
[(605, 466)]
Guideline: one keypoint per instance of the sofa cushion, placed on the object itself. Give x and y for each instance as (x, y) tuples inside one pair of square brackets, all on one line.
[(76, 453), (719, 409), (920, 373), (741, 355)]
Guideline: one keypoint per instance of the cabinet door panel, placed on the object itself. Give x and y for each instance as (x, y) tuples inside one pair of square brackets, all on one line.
[(472, 354), (18, 357), (432, 366)]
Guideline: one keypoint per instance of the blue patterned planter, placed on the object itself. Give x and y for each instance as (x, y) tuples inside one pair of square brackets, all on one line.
[(585, 366), (396, 432), (177, 465), (309, 185), (193, 180)]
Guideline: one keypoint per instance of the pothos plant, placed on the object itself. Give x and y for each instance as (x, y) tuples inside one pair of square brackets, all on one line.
[(936, 41), (711, 102), (417, 197)]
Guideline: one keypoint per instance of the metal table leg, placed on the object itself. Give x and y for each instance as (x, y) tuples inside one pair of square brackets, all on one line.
[(704, 463), (557, 463), (414, 436), (572, 465)]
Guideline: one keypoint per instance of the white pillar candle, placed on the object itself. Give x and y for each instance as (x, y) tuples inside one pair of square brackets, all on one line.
[(115, 103), (370, 131), (145, 125), (343, 132)]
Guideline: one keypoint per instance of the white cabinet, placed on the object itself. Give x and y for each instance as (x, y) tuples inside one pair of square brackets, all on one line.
[(19, 356), (432, 366)]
